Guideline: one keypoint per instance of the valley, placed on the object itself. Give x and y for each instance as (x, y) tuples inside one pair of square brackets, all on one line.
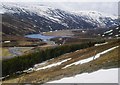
[(42, 44)]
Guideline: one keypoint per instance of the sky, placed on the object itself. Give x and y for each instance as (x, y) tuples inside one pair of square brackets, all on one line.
[(59, 0), (105, 6)]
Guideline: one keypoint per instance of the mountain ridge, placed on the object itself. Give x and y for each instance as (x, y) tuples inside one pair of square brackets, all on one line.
[(44, 18)]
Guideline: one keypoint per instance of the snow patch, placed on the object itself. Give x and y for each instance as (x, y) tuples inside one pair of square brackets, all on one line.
[(101, 44), (91, 58), (108, 31), (53, 65), (117, 28), (116, 35), (100, 76), (7, 41), (110, 34), (36, 65), (103, 35)]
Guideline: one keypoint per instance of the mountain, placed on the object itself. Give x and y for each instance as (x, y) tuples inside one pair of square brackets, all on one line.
[(24, 18)]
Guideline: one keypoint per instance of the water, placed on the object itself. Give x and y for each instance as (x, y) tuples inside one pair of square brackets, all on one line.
[(39, 36)]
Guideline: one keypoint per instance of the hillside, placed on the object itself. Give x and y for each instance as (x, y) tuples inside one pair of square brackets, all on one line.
[(21, 19), (100, 56)]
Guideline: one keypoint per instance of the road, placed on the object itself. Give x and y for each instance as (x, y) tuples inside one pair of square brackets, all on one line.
[(15, 51)]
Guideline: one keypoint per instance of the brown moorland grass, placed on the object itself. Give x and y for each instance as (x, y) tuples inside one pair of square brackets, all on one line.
[(107, 60)]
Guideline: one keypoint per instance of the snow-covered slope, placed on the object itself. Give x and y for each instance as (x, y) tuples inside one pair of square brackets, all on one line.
[(97, 17), (47, 18)]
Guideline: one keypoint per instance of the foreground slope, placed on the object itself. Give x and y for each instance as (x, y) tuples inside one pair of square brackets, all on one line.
[(104, 56)]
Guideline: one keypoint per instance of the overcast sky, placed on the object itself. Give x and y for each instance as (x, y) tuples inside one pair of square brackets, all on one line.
[(106, 6), (59, 0)]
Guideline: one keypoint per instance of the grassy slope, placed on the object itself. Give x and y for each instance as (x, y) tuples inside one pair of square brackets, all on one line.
[(106, 61), (5, 52)]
